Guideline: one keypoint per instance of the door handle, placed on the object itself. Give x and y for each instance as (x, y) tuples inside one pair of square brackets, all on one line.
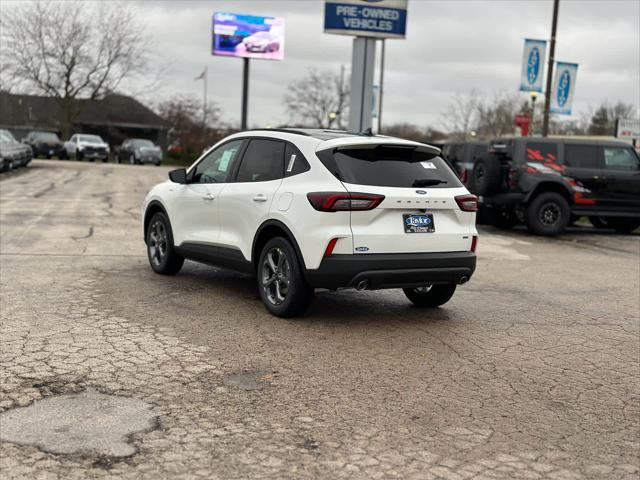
[(209, 197), (260, 198)]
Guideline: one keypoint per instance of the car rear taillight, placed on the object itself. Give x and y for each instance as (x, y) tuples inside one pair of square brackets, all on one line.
[(343, 201), (474, 243), (467, 203)]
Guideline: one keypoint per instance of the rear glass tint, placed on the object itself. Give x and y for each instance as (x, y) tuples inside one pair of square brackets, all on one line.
[(541, 152), (582, 156), (389, 167)]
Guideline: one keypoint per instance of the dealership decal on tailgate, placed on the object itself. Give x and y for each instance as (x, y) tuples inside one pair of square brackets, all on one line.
[(418, 223)]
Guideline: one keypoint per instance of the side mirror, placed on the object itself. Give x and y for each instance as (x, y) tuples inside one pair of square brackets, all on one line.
[(178, 176)]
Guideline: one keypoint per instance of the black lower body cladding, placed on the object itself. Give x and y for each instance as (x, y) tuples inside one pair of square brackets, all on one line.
[(392, 270)]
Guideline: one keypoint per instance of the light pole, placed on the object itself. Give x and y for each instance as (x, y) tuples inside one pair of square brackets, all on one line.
[(534, 96), (552, 50)]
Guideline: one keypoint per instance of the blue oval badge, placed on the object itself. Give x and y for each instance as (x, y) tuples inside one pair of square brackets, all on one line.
[(564, 87), (421, 192), (361, 249), (533, 65)]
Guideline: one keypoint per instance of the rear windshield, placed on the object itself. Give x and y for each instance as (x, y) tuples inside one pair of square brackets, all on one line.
[(385, 166)]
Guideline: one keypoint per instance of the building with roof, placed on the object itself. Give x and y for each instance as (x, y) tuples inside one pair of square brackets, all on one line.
[(115, 118)]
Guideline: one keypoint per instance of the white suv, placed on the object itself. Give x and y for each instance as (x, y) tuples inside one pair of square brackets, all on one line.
[(305, 209)]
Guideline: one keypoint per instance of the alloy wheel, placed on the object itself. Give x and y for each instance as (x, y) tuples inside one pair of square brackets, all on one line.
[(549, 214), (276, 276), (158, 243)]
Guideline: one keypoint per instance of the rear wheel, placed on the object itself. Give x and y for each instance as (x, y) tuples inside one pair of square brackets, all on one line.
[(281, 284), (485, 177), (430, 296), (548, 214), (160, 249)]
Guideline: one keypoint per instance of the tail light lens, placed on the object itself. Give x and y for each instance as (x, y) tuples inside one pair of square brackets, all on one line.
[(467, 203), (474, 243), (343, 201)]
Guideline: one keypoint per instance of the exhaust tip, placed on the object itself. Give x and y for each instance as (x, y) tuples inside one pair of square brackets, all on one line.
[(362, 285), (463, 280)]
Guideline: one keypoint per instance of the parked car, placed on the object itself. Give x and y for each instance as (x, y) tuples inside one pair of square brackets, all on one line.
[(139, 150), (462, 155), (261, 42), (305, 209), (45, 144), (13, 154), (546, 183), (91, 147)]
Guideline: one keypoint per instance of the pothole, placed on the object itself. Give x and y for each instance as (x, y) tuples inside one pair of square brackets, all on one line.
[(250, 380), (89, 423)]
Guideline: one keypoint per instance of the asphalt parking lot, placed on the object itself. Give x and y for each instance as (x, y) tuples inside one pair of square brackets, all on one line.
[(531, 371)]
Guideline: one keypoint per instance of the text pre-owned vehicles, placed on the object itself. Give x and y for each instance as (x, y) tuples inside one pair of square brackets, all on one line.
[(139, 150), (82, 146), (45, 144), (13, 154), (547, 182), (462, 155), (305, 209)]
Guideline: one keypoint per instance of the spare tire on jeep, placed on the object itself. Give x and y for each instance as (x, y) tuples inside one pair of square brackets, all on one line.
[(486, 177)]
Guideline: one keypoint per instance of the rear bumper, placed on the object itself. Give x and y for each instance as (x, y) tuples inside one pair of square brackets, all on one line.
[(393, 270)]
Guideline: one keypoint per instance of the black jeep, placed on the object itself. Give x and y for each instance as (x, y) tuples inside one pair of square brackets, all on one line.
[(548, 183), (462, 155)]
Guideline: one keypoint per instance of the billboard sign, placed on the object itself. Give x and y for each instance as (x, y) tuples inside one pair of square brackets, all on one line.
[(366, 18), (248, 36), (628, 128), (564, 84), (535, 52)]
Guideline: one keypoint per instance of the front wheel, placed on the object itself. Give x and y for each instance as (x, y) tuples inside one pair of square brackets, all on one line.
[(160, 249), (281, 284), (430, 296), (548, 214)]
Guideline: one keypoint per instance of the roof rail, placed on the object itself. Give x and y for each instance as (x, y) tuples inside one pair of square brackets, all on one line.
[(281, 130)]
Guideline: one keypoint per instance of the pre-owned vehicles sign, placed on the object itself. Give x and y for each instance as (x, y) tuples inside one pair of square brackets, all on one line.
[(366, 18)]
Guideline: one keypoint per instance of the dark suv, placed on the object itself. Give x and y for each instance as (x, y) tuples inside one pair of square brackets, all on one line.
[(462, 156), (45, 144), (549, 183)]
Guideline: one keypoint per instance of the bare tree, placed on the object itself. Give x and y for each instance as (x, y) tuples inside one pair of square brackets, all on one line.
[(319, 99), (71, 50), (603, 119), (496, 116), (459, 117)]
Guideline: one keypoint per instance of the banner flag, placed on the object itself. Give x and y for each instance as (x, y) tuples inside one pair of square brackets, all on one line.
[(564, 84), (535, 53)]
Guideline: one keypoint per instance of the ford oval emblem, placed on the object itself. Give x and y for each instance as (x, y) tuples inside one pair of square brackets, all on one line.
[(533, 65), (564, 87), (421, 192)]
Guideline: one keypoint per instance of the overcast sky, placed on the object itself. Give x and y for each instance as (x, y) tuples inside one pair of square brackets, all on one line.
[(451, 46)]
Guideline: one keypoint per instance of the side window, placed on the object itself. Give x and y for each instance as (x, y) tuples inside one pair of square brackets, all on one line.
[(620, 158), (294, 161), (541, 152), (582, 156), (262, 161), (215, 167)]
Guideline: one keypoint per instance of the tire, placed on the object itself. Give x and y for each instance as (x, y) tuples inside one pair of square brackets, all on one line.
[(548, 214), (430, 297), (160, 249), (79, 156), (281, 284), (485, 176)]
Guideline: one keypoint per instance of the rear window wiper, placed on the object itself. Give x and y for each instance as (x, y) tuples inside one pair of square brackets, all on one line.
[(427, 182)]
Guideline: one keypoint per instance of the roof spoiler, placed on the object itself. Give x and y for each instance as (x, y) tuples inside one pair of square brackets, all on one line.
[(360, 143)]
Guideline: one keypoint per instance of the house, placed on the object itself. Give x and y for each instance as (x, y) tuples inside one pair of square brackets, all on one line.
[(115, 118)]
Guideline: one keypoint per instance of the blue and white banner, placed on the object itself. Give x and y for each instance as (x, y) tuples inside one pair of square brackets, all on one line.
[(535, 53), (564, 84)]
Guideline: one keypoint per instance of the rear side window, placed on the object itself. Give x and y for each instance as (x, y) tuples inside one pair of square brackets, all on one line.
[(389, 166), (620, 158), (541, 152), (582, 156), (294, 161), (262, 161)]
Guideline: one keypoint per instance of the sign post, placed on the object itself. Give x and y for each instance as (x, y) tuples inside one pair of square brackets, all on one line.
[(368, 20)]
